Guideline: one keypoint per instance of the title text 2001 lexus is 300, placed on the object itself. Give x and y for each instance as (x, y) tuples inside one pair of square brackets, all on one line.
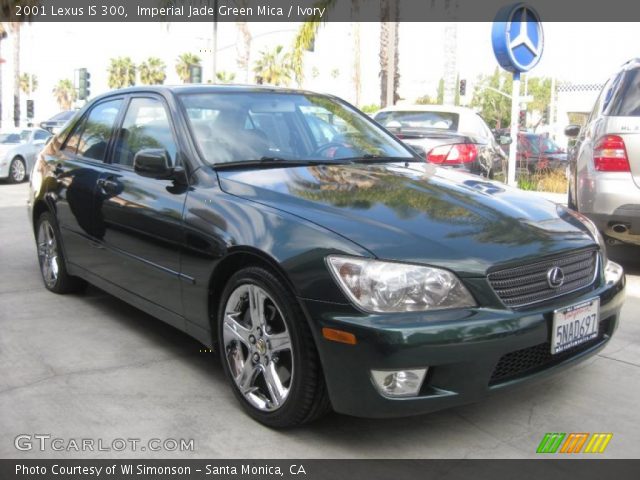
[(325, 260)]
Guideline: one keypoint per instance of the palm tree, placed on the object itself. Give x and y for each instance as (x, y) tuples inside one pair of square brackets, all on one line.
[(243, 51), (65, 94), (184, 64), (152, 71), (388, 42), (28, 83), (122, 72), (15, 28), (306, 37), (274, 67), (225, 77)]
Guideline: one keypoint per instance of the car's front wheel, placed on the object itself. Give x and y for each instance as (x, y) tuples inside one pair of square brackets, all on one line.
[(51, 259), (17, 170), (268, 352)]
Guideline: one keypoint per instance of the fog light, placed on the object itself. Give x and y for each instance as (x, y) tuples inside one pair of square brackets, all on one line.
[(398, 383), (613, 273)]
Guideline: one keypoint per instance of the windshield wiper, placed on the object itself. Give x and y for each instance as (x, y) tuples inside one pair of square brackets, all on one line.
[(265, 162), (371, 158)]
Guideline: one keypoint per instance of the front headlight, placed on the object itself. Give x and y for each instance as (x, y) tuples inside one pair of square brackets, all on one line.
[(595, 233), (384, 287)]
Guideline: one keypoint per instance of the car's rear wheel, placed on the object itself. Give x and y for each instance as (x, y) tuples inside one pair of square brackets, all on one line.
[(17, 170), (51, 259), (268, 352)]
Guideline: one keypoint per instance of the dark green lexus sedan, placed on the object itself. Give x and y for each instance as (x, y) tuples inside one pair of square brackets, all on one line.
[(329, 265)]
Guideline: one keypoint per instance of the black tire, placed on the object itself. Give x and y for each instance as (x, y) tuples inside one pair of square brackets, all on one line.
[(307, 397), (17, 170), (61, 282)]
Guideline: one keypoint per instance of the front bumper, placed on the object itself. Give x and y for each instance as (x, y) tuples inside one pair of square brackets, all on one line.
[(470, 353)]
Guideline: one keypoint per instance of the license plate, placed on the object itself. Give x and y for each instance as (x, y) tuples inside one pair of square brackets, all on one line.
[(574, 325)]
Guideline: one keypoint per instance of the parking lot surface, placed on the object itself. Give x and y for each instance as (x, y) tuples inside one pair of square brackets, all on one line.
[(91, 366)]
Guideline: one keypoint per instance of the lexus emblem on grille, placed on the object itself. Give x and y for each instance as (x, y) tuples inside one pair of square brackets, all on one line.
[(555, 277)]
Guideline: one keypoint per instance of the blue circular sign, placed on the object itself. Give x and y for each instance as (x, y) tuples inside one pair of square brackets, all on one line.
[(517, 37)]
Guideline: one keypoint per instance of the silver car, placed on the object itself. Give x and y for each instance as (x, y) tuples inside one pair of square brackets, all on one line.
[(18, 151), (604, 164)]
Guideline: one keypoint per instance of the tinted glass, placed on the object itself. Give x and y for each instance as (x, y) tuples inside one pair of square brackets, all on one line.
[(239, 126), (146, 125), (41, 135), (438, 120), (71, 144), (626, 98), (9, 138), (97, 130)]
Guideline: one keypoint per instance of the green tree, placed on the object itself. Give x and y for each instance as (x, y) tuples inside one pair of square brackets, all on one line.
[(28, 83), (225, 77), (540, 89), (64, 93), (440, 98), (494, 107), (184, 64), (152, 71), (274, 67), (122, 72)]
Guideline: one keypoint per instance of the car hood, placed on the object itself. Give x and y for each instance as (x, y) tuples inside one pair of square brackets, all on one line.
[(418, 212)]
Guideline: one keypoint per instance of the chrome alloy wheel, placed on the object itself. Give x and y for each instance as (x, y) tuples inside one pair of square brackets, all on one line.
[(48, 253), (258, 347), (18, 171)]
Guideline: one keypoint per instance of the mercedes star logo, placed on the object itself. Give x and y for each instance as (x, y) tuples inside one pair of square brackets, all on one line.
[(555, 277), (522, 38)]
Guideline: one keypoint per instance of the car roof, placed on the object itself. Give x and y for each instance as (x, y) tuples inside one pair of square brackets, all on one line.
[(428, 108), (208, 88)]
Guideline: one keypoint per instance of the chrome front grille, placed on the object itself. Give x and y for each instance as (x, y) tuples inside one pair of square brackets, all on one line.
[(527, 284)]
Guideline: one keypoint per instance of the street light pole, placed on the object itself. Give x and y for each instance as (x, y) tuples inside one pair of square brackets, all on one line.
[(214, 42), (515, 114)]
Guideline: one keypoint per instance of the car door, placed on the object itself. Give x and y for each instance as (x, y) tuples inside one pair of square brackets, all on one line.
[(75, 168), (139, 219)]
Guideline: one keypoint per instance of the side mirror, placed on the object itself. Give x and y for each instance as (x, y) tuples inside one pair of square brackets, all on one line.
[(572, 131), (505, 140), (153, 163)]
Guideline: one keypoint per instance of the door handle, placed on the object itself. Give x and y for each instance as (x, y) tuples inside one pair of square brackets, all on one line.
[(108, 186)]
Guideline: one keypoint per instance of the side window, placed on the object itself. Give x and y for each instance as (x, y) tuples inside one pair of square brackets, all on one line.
[(41, 135), (146, 125), (97, 130), (73, 140)]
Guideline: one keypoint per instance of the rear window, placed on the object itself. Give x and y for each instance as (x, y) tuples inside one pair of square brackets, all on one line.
[(437, 120), (626, 98)]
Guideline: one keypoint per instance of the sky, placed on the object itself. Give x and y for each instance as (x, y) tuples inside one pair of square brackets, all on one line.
[(575, 52)]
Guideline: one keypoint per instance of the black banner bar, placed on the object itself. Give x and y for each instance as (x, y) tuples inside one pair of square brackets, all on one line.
[(305, 10), (542, 469)]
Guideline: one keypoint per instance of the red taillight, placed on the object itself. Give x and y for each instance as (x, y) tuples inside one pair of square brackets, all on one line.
[(453, 154), (610, 155)]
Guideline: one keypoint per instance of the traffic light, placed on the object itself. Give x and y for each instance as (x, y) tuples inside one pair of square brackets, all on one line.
[(30, 109), (523, 119), (545, 116), (463, 88), (84, 84), (195, 74)]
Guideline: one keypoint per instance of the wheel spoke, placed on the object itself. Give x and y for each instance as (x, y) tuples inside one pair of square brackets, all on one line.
[(235, 329), (279, 342), (54, 267), (277, 391), (247, 376), (256, 306)]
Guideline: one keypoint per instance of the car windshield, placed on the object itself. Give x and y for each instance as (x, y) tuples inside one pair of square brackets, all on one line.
[(258, 126), (540, 144), (14, 137), (409, 119)]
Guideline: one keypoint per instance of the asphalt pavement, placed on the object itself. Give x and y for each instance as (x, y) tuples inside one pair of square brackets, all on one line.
[(90, 366)]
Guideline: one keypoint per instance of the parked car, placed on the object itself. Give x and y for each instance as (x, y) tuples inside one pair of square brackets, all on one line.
[(59, 120), (340, 272), (537, 152), (604, 165), (455, 137), (18, 150)]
